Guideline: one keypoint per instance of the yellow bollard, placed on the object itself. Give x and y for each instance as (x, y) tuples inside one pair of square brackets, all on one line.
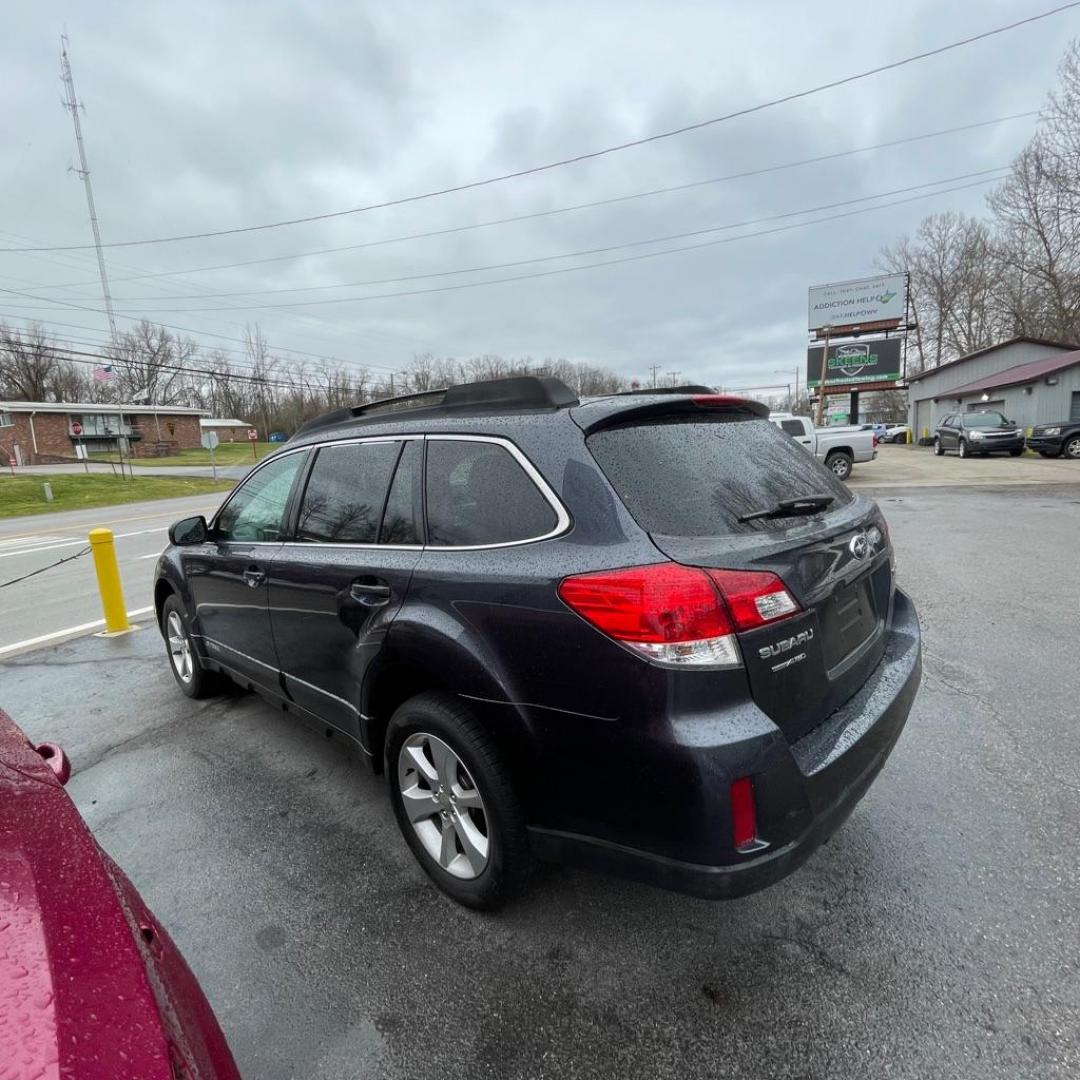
[(108, 576)]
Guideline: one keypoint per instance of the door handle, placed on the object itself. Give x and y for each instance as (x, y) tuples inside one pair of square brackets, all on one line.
[(254, 577), (375, 595)]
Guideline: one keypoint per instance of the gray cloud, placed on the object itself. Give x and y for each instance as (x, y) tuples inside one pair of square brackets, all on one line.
[(205, 116)]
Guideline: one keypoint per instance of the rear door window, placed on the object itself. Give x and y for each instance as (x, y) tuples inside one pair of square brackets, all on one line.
[(478, 494), (404, 504), (344, 497), (697, 477)]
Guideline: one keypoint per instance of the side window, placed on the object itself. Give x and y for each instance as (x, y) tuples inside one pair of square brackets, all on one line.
[(404, 505), (257, 509), (792, 427), (344, 497), (477, 493)]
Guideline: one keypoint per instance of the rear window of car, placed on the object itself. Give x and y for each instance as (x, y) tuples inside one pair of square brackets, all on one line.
[(697, 477)]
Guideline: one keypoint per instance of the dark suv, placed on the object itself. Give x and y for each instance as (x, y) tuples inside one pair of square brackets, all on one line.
[(976, 434), (644, 633)]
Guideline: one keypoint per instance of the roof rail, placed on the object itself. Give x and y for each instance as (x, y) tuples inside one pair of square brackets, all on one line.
[(515, 392)]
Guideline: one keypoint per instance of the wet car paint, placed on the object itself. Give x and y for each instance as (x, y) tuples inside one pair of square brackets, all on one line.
[(91, 986)]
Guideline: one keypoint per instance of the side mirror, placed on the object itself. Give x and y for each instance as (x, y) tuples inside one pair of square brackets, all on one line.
[(192, 530)]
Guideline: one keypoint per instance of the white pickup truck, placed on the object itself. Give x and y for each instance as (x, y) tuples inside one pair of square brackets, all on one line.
[(838, 447)]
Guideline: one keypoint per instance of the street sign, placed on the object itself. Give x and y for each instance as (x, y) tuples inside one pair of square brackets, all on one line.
[(76, 427), (210, 439), (252, 434), (856, 362), (856, 303)]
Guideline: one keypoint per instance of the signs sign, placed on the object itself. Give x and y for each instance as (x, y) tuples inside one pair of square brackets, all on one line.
[(210, 439), (76, 428), (856, 362), (252, 434), (856, 303)]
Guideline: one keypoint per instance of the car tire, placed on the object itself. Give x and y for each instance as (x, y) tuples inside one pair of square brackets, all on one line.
[(192, 678), (840, 463), (437, 756), (1015, 453), (939, 450), (964, 451), (1071, 448)]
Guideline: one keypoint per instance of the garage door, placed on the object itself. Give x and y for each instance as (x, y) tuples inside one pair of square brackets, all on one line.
[(1074, 410)]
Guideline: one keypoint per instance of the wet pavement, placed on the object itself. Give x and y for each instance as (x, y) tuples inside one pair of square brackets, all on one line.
[(937, 935)]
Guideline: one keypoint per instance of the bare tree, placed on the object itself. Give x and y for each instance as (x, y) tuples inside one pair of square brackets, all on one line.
[(28, 364), (150, 365)]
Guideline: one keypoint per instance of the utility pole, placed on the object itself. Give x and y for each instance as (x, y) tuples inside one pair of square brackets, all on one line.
[(675, 378), (824, 376), (654, 369), (71, 103)]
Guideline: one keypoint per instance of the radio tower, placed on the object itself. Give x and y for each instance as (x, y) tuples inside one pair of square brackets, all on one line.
[(71, 103)]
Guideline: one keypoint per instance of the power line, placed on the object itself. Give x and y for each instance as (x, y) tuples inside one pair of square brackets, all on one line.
[(566, 209), (588, 155), (52, 303), (593, 251)]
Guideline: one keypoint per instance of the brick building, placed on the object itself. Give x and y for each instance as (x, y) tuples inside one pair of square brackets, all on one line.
[(42, 433)]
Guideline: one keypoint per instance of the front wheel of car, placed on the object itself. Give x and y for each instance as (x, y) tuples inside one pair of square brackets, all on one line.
[(964, 452), (939, 450), (840, 463), (192, 678), (1071, 449), (454, 802)]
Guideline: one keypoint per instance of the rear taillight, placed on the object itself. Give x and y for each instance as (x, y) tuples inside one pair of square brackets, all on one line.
[(679, 615), (743, 814)]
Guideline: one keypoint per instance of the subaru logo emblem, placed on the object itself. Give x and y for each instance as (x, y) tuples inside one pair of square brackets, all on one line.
[(859, 546)]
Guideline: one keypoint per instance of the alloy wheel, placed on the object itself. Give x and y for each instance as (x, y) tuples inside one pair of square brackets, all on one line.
[(1072, 448), (180, 649), (443, 806)]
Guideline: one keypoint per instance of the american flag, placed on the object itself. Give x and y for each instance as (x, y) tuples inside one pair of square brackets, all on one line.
[(104, 373)]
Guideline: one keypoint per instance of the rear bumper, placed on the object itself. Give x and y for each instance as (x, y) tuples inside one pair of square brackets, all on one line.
[(808, 796)]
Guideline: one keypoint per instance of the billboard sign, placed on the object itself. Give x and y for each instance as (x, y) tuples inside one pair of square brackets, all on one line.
[(856, 362), (856, 303)]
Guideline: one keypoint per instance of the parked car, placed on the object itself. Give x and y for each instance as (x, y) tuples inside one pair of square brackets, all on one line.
[(1056, 440), (644, 633), (897, 433), (838, 447), (92, 985), (978, 434)]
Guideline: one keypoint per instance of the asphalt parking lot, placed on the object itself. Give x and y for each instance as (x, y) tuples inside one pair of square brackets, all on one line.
[(935, 936)]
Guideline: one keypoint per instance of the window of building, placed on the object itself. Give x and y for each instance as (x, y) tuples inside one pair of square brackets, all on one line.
[(6, 419)]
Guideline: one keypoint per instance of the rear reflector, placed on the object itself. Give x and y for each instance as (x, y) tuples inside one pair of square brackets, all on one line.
[(743, 814), (678, 615)]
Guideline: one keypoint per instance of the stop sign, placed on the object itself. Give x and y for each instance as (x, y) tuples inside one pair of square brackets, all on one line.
[(252, 434), (76, 427)]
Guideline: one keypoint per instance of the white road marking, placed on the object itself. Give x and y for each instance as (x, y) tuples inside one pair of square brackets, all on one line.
[(71, 631), (46, 546), (152, 555)]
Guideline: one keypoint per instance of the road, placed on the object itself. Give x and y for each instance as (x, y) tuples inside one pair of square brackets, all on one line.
[(66, 598), (936, 936)]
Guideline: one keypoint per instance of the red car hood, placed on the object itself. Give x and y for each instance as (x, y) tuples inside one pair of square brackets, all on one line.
[(91, 988)]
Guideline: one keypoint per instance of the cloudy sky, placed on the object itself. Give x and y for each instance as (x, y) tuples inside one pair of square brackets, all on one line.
[(202, 117)]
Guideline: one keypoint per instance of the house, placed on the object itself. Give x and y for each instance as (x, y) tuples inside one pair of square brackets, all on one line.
[(226, 430), (47, 432), (1030, 380)]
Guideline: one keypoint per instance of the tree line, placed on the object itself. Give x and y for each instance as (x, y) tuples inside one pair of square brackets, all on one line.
[(151, 364), (976, 281)]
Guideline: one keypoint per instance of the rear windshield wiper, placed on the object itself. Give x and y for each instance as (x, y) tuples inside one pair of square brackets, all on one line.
[(804, 504)]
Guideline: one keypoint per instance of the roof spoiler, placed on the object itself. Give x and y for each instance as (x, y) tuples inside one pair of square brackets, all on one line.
[(622, 408)]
